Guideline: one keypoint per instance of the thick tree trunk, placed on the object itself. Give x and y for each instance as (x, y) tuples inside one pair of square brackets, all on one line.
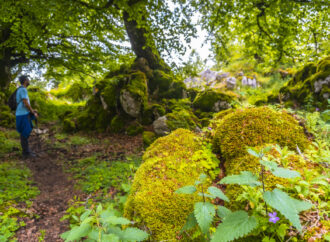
[(5, 74), (140, 46)]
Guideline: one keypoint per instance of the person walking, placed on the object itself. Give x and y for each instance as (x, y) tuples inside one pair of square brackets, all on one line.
[(24, 116)]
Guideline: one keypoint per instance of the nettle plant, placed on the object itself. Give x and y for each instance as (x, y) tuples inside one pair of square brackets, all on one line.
[(262, 219), (103, 225)]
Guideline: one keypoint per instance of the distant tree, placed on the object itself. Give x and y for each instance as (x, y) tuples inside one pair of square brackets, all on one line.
[(271, 31)]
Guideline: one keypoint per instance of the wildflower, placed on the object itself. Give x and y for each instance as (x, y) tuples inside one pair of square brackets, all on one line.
[(273, 218), (317, 109), (209, 128)]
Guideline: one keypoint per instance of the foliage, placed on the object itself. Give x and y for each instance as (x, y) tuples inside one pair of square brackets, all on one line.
[(98, 224), (7, 144)]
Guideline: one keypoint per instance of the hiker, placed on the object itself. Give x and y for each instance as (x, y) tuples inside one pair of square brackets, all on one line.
[(24, 116)]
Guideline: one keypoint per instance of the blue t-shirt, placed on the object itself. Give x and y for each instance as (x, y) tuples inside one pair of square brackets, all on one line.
[(20, 95)]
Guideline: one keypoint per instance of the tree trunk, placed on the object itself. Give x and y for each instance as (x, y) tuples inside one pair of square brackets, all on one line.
[(5, 75), (140, 47)]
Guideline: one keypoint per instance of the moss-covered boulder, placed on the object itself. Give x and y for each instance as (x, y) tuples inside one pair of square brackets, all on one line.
[(134, 95), (69, 125), (254, 127), (117, 124), (169, 163), (7, 118), (309, 86), (134, 129), (213, 101), (151, 113), (148, 138), (181, 118)]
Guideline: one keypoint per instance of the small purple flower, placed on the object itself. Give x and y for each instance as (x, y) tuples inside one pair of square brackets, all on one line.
[(209, 128), (317, 109), (273, 218)]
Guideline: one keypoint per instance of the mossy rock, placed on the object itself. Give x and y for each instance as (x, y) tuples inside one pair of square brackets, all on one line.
[(176, 90), (117, 124), (134, 95), (134, 129), (309, 86), (254, 127), (161, 81), (171, 162), (182, 119), (213, 101), (148, 138), (151, 113)]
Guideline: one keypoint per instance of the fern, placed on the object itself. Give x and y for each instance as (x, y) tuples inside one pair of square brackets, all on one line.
[(234, 226), (244, 178), (288, 207), (204, 213)]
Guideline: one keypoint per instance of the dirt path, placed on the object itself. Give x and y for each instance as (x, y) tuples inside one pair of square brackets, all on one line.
[(56, 190)]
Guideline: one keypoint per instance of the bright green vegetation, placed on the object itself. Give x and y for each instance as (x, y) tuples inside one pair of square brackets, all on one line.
[(15, 187)]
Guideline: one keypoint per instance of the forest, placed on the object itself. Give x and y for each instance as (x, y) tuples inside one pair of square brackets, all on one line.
[(164, 120)]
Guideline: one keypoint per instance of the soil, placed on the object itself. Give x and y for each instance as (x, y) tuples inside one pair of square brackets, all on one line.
[(56, 187)]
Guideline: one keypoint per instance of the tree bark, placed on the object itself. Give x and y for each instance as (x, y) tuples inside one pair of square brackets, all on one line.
[(140, 47), (5, 65)]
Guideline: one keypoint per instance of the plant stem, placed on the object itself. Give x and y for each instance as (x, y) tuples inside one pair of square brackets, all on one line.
[(263, 184), (203, 194)]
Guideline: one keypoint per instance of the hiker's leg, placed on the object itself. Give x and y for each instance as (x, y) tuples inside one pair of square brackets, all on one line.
[(25, 145)]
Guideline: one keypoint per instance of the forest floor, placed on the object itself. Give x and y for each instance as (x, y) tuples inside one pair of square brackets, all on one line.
[(57, 186)]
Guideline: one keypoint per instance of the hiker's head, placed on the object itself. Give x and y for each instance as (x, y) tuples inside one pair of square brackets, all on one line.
[(24, 80)]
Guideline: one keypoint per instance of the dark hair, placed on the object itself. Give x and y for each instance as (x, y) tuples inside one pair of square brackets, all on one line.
[(22, 79)]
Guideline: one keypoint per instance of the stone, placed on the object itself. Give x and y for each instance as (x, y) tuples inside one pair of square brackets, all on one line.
[(230, 82), (131, 105), (160, 126)]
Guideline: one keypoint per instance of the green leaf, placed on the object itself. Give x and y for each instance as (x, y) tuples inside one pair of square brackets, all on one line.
[(234, 226), (110, 237), (202, 177), (99, 209), (287, 206), (216, 192), (186, 190), (134, 234), (204, 213), (253, 152), (78, 232), (244, 178), (285, 173), (223, 211), (85, 214), (114, 220), (190, 223)]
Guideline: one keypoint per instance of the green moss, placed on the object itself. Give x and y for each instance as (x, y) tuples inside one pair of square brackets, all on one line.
[(148, 138), (169, 163), (69, 125), (137, 86), (110, 93), (160, 81), (151, 113), (117, 124), (134, 129), (254, 127), (175, 90), (207, 99), (182, 119)]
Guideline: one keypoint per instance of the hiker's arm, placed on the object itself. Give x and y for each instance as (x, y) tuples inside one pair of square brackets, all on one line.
[(28, 106)]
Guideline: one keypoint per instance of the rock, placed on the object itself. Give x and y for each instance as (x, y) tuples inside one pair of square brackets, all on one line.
[(206, 100), (221, 105), (221, 76), (148, 138), (160, 126), (230, 82), (130, 105)]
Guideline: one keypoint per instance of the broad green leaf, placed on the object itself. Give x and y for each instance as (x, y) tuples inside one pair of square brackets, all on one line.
[(287, 206), (114, 220), (244, 178), (216, 192), (134, 234), (253, 152), (85, 214), (78, 232), (223, 211), (202, 177), (205, 195), (186, 190), (190, 223), (204, 213), (234, 226), (110, 237), (99, 209), (269, 164), (285, 173)]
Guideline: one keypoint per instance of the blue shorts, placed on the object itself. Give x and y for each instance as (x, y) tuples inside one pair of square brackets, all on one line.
[(24, 124)]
